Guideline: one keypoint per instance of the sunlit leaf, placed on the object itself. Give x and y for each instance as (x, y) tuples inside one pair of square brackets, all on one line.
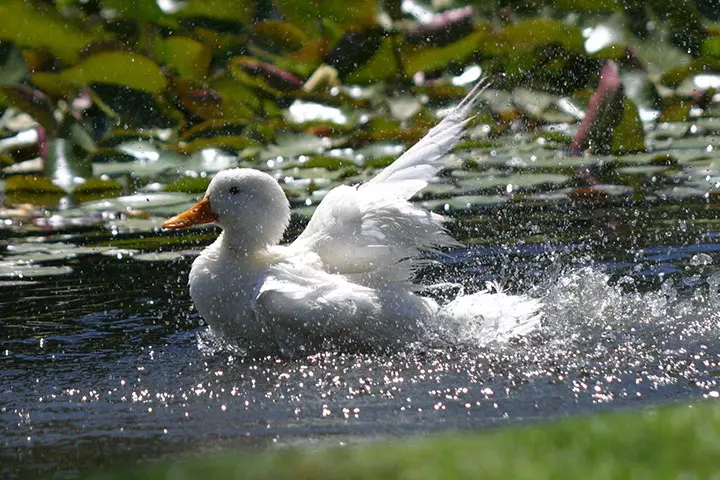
[(238, 101), (34, 190), (117, 68), (190, 58), (232, 142), (330, 163), (139, 10), (36, 25), (676, 111), (381, 66), (418, 58), (628, 135), (189, 185), (95, 189), (527, 35)]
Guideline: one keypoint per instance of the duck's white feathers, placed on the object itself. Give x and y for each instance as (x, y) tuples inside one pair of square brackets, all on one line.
[(369, 232), (413, 169), (309, 307), (347, 277), (372, 229)]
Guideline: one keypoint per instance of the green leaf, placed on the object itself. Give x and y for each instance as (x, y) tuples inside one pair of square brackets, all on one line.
[(116, 68), (231, 142), (138, 10), (381, 66), (231, 10), (34, 25), (13, 68), (310, 14), (711, 47), (189, 185), (628, 135), (418, 58), (31, 184), (329, 163), (34, 190), (238, 101), (527, 35), (190, 58), (280, 35), (96, 189)]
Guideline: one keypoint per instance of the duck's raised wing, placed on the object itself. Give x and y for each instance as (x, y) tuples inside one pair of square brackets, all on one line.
[(373, 229), (414, 168)]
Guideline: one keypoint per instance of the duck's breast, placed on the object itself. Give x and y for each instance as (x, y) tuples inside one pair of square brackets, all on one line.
[(224, 293)]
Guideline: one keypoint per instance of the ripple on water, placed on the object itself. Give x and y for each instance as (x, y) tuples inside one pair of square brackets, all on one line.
[(107, 362)]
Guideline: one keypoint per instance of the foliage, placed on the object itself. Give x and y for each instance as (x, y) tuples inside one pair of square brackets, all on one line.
[(665, 443), (195, 75)]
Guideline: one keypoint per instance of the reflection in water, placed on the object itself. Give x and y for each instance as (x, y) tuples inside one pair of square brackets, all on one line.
[(106, 363)]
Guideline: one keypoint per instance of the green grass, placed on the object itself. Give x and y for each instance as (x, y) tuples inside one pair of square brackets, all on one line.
[(669, 442)]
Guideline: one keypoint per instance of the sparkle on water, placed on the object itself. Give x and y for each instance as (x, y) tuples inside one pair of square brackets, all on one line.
[(105, 361)]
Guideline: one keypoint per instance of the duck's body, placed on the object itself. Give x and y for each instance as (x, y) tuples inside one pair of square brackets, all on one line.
[(347, 279), (283, 300)]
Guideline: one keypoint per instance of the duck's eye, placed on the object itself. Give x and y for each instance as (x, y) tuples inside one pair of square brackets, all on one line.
[(234, 190)]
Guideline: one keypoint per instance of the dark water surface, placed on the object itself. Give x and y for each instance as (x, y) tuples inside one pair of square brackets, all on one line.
[(104, 361)]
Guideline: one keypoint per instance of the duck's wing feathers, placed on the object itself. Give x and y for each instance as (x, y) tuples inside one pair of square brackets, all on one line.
[(414, 168), (372, 229), (303, 306)]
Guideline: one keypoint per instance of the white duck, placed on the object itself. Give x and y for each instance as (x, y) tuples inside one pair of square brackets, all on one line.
[(346, 281)]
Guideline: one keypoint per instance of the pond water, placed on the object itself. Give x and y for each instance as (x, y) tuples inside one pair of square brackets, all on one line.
[(105, 362)]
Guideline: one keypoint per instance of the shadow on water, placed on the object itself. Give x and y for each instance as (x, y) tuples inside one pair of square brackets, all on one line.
[(104, 361)]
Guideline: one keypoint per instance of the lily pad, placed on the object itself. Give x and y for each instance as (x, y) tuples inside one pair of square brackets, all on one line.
[(117, 68), (228, 142), (293, 145), (417, 58), (229, 10), (139, 201), (33, 190), (280, 34), (189, 185), (382, 65), (97, 188), (310, 13), (190, 58), (36, 25)]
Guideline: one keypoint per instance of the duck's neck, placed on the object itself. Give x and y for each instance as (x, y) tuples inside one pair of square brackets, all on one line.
[(238, 245)]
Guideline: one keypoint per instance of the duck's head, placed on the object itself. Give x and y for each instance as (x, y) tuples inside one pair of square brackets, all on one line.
[(248, 204)]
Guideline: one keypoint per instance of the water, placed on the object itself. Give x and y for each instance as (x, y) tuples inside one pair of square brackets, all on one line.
[(105, 363)]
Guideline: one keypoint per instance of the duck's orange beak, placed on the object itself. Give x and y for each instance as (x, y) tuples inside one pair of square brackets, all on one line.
[(195, 215)]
